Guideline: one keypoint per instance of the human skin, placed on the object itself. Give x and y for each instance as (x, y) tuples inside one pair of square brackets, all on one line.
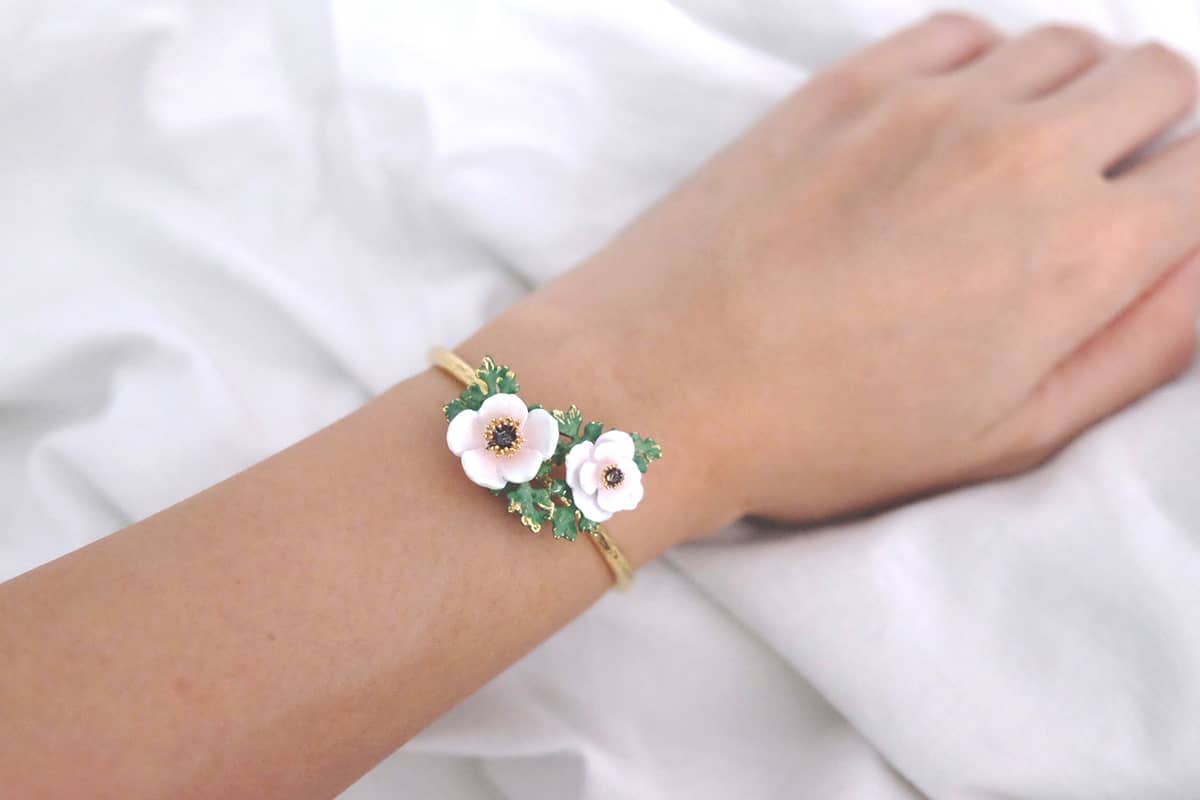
[(920, 270)]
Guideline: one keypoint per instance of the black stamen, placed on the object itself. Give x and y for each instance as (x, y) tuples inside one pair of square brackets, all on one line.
[(613, 476), (503, 436)]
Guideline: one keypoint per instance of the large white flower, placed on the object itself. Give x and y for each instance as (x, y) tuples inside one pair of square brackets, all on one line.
[(503, 441), (603, 476)]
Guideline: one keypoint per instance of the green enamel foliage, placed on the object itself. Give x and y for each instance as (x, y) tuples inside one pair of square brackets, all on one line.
[(568, 422), (532, 505), (564, 523), (535, 501), (644, 451), (498, 379), (454, 408)]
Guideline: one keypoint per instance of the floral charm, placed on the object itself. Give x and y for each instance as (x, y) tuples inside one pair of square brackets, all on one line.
[(514, 451), (503, 442), (603, 476)]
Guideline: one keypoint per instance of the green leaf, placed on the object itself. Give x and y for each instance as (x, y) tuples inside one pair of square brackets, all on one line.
[(568, 422), (591, 431), (499, 378), (561, 450), (472, 397), (533, 505), (560, 488), (645, 451), (586, 525), (564, 523), (544, 470), (454, 408)]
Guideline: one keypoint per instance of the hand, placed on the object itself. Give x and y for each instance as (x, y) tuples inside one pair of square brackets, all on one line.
[(918, 271)]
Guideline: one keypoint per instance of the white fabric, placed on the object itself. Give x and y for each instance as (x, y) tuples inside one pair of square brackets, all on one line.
[(225, 223)]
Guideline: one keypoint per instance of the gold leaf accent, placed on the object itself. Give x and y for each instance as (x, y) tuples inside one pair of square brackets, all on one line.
[(489, 365)]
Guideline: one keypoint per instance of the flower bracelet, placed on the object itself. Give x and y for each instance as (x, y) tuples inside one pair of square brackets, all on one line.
[(513, 449)]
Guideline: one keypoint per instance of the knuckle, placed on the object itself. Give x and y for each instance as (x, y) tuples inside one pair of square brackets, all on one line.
[(1022, 147), (923, 101), (1069, 37), (1084, 256), (845, 87), (960, 23), (1028, 137), (1167, 61)]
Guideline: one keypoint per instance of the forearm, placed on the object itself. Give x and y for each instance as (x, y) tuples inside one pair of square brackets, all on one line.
[(281, 632)]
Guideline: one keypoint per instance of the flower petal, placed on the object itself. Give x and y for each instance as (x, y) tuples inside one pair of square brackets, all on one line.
[(522, 465), (629, 469), (618, 446), (503, 405), (483, 468), (577, 456), (586, 504), (541, 432), (462, 434), (623, 498), (589, 477)]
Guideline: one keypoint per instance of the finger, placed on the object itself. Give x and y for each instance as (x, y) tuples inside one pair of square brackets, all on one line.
[(1035, 63), (1171, 174), (1150, 343), (1124, 102), (938, 44), (1162, 192)]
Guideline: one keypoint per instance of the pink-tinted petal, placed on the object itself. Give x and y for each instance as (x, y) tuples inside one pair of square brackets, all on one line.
[(630, 470), (638, 492), (483, 468), (589, 477), (540, 432), (623, 498), (577, 456), (503, 405), (586, 504), (615, 446), (522, 465), (462, 434)]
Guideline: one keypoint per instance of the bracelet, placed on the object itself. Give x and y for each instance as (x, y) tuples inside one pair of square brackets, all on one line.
[(512, 450)]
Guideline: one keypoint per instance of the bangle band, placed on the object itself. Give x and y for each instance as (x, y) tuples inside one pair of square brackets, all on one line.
[(512, 450)]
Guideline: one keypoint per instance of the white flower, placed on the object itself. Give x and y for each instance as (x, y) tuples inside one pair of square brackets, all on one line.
[(603, 477), (503, 441)]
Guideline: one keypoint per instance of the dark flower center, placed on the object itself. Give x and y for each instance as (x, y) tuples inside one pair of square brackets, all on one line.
[(503, 436), (612, 476)]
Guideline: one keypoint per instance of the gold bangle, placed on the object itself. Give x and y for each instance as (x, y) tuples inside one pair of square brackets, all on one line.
[(461, 371), (617, 562), (503, 381)]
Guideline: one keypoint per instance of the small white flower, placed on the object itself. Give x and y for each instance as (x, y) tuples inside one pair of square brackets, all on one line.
[(503, 441), (603, 476)]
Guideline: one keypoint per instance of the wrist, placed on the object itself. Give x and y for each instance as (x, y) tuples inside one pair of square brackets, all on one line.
[(558, 365)]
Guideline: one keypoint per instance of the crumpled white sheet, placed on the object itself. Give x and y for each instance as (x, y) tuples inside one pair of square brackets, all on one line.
[(224, 224)]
